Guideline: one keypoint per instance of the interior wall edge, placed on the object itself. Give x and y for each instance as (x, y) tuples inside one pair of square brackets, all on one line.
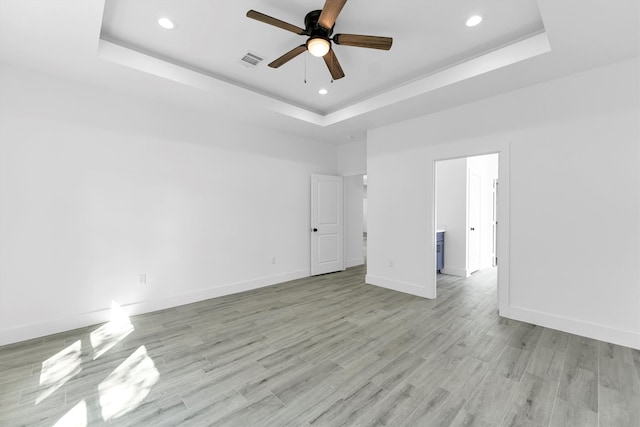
[(575, 326), (354, 262), (460, 272), (400, 286)]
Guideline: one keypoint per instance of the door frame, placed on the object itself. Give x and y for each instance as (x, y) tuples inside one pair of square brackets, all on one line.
[(502, 207)]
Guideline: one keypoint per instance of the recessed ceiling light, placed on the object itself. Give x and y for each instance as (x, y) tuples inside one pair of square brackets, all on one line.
[(323, 91), (474, 20), (166, 23)]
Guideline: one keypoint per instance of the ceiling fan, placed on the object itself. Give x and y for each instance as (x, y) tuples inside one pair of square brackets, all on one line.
[(319, 28)]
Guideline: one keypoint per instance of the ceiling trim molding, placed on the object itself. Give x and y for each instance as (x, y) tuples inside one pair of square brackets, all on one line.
[(505, 56), (530, 47)]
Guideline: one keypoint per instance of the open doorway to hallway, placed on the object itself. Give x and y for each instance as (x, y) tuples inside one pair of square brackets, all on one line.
[(364, 218), (354, 220), (465, 201)]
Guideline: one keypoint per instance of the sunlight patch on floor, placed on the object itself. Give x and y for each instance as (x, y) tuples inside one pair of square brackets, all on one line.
[(127, 386), (76, 417), (60, 368), (112, 332)]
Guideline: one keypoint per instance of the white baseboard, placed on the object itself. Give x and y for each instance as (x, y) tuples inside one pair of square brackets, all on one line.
[(81, 320), (461, 272), (396, 285), (586, 329), (354, 262)]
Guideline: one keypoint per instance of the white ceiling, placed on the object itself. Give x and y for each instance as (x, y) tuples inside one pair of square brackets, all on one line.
[(434, 64), (212, 37)]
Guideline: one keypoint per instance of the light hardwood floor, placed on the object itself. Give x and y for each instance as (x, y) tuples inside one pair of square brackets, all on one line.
[(323, 351)]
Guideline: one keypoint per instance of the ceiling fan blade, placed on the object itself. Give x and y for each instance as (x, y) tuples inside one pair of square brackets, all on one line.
[(288, 56), (371, 42), (330, 13), (333, 65), (273, 21)]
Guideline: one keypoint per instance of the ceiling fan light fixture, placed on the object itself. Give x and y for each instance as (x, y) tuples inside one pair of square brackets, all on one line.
[(323, 91), (474, 20), (318, 46), (166, 23)]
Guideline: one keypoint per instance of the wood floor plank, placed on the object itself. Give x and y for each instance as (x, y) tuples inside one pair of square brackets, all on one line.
[(636, 360), (554, 340), (615, 352), (357, 374), (304, 407), (512, 362), (251, 414), (329, 350), (491, 399), (532, 403), (618, 409), (345, 411), (438, 409), (580, 387), (465, 419), (394, 408), (305, 380), (467, 375), (579, 380), (619, 376), (436, 369), (261, 386), (525, 337), (170, 411), (488, 348), (397, 371), (546, 363), (566, 414)]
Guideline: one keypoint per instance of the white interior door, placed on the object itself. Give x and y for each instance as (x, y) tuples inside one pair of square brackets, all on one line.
[(327, 224), (473, 242)]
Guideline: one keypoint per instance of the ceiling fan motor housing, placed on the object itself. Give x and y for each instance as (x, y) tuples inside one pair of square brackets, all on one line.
[(313, 29)]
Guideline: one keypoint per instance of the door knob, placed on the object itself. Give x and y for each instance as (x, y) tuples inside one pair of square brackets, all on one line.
[(315, 230)]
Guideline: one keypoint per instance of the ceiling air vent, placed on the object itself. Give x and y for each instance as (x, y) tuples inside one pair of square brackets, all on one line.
[(251, 60)]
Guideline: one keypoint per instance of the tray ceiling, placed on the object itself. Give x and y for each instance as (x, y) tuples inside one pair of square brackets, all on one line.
[(211, 38)]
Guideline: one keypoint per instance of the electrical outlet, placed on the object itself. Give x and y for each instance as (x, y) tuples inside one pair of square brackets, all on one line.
[(391, 264), (273, 260), (142, 279)]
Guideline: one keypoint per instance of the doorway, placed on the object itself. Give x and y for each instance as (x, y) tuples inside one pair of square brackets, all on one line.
[(364, 218), (465, 215), (354, 219)]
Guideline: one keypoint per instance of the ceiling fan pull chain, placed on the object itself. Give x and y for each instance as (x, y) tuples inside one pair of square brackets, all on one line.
[(305, 69), (332, 61)]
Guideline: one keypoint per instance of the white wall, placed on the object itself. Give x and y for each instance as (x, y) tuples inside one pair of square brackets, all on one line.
[(570, 194), (352, 158), (353, 196), (451, 215), (97, 187)]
